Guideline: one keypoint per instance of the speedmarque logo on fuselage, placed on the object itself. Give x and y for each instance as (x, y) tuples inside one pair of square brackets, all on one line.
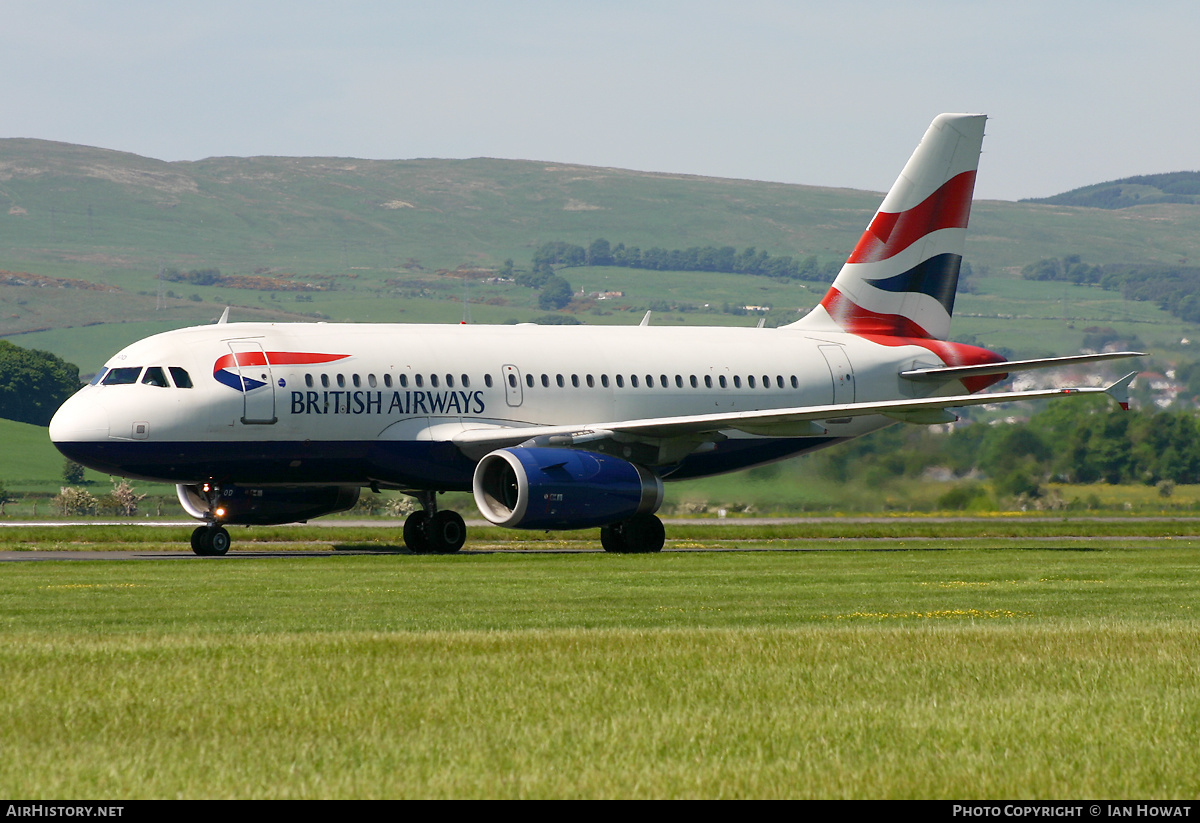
[(227, 370)]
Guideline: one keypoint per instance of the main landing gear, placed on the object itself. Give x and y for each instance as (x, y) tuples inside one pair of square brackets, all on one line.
[(640, 534), (430, 531), (210, 541)]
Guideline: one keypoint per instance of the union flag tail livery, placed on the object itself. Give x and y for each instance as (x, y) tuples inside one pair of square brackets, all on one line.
[(901, 278), (551, 427)]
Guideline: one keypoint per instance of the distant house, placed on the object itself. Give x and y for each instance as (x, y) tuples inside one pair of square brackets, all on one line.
[(1164, 390)]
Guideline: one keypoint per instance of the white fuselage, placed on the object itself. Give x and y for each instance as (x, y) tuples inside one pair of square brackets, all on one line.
[(372, 403)]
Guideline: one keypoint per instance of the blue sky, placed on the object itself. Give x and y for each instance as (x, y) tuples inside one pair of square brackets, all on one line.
[(834, 93)]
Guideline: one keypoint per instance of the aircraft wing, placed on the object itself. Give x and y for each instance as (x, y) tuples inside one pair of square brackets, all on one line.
[(792, 422)]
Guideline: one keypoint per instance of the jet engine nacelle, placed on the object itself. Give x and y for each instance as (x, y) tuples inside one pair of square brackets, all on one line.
[(540, 488), (246, 506)]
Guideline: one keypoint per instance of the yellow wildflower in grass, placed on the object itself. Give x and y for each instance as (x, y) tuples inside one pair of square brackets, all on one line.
[(937, 614), (94, 586)]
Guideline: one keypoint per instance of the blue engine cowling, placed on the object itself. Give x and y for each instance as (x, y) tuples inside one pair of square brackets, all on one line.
[(537, 488), (245, 506)]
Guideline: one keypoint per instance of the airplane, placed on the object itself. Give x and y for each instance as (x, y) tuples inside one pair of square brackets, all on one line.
[(552, 427)]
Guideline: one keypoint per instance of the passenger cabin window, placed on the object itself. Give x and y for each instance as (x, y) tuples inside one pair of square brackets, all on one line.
[(528, 380), (487, 380)]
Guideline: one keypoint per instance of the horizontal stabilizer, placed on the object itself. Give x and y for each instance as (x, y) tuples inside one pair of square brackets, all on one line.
[(1119, 391), (944, 373)]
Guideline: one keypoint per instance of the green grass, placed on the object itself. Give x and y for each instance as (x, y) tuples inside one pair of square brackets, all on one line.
[(982, 673), (901, 531), (30, 463)]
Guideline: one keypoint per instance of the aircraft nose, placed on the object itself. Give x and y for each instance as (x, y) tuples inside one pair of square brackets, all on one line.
[(80, 419)]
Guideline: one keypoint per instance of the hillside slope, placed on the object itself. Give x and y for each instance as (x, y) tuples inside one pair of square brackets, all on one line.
[(73, 208), (1144, 190)]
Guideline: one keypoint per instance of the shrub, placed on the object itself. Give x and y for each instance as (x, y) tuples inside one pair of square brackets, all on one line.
[(74, 500)]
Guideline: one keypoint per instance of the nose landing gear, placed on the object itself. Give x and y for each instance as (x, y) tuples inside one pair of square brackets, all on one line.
[(202, 501), (210, 541)]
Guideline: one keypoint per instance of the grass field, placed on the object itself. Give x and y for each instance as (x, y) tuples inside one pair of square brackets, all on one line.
[(912, 660)]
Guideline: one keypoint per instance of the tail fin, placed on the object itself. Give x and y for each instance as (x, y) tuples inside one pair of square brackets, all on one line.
[(902, 276)]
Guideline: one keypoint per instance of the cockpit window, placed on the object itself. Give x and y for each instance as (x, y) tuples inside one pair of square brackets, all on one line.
[(122, 376), (182, 379), (155, 376)]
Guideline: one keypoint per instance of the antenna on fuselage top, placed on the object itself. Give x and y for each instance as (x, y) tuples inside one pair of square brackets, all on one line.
[(224, 316), (645, 320)]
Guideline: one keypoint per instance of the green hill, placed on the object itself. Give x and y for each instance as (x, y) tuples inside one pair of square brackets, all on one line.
[(73, 205), (1145, 190)]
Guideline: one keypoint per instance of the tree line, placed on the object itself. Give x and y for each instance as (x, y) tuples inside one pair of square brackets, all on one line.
[(33, 384), (1073, 441), (724, 259)]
